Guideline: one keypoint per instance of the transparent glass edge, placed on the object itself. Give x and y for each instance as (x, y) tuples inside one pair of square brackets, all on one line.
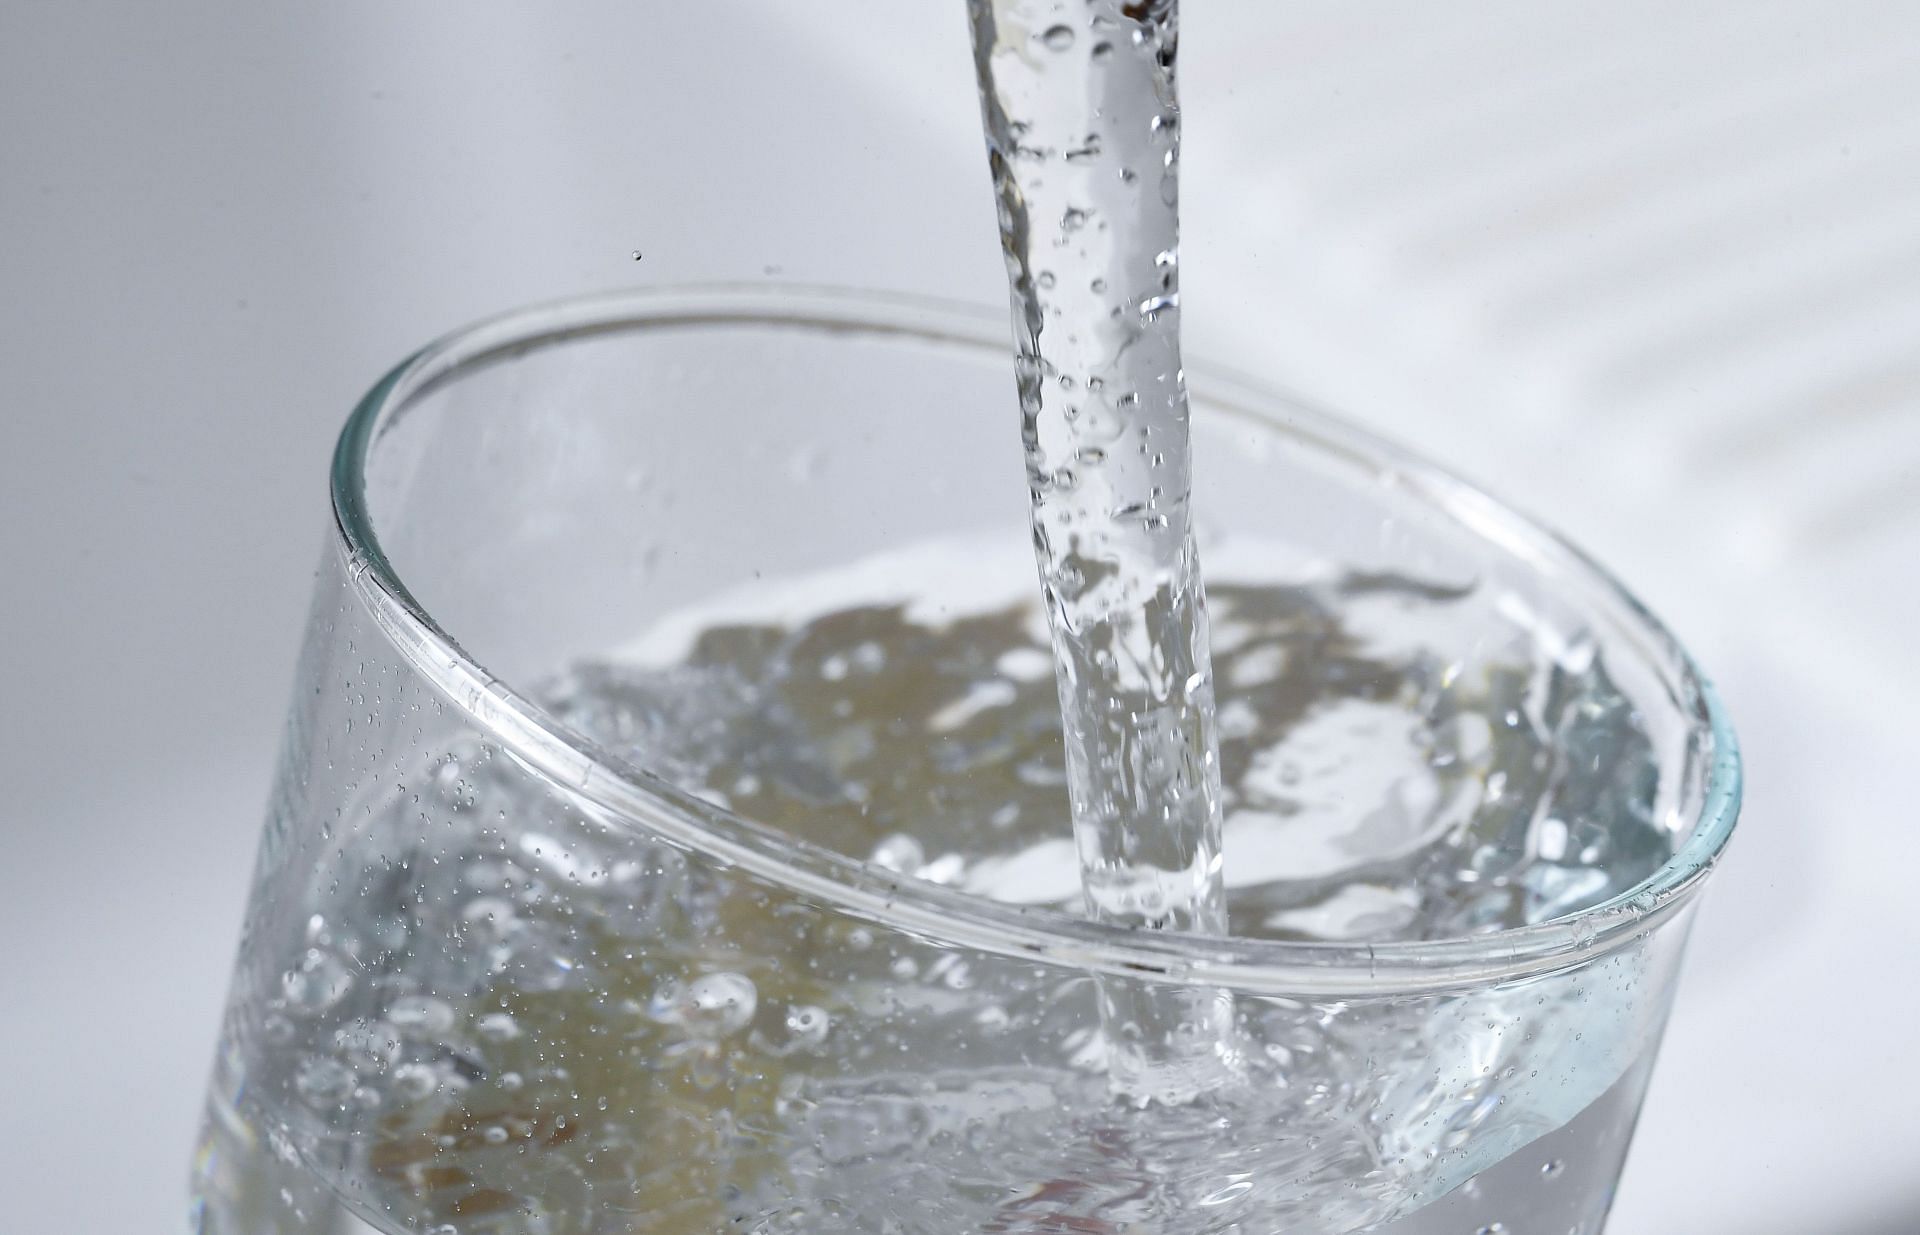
[(621, 795)]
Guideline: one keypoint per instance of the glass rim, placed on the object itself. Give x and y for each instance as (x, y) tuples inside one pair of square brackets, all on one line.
[(620, 795)]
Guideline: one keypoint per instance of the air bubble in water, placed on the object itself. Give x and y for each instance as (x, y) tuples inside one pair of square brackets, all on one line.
[(413, 1081), (282, 1146), (497, 1027), (807, 1025), (1153, 306), (1232, 1192), (1058, 38), (713, 1005), (371, 1046), (320, 981), (420, 1016), (324, 1081)]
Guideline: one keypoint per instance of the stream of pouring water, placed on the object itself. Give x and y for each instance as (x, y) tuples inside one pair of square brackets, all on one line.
[(1083, 138)]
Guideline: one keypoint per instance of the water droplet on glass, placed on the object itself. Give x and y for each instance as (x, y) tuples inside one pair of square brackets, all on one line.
[(1058, 38)]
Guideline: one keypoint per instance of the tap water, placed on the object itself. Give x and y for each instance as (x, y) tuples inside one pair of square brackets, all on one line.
[(1083, 139)]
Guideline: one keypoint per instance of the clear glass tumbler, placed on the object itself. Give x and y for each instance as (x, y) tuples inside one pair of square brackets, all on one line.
[(670, 835)]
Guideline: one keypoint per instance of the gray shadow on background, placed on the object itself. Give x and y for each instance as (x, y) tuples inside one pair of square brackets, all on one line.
[(1884, 1220)]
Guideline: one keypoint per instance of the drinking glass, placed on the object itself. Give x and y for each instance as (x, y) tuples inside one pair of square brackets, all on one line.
[(518, 960)]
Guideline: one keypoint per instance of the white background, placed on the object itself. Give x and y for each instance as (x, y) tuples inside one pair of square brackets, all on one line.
[(1653, 274)]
